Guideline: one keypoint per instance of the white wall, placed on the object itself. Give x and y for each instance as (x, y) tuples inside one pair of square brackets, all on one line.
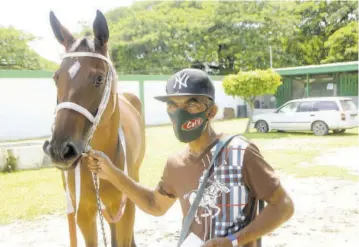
[(224, 100), (27, 105), (26, 108)]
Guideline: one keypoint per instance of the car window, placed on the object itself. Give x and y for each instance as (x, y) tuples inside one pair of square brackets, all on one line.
[(348, 105), (305, 106), (291, 107), (326, 106)]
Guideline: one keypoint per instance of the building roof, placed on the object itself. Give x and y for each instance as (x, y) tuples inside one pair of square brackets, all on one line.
[(319, 69)]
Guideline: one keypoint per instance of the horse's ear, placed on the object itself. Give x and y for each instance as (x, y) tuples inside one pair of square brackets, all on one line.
[(61, 33), (100, 30)]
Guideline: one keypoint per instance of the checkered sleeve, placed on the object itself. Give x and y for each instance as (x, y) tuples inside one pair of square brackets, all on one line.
[(228, 171)]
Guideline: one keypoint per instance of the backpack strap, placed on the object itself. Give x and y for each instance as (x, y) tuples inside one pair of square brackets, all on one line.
[(191, 212)]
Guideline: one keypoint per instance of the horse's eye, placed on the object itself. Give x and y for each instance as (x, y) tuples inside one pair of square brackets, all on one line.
[(99, 80)]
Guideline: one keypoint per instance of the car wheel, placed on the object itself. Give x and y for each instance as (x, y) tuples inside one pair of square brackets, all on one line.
[(262, 126), (339, 131), (320, 128)]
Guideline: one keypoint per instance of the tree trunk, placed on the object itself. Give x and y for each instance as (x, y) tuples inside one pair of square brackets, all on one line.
[(251, 106), (249, 120)]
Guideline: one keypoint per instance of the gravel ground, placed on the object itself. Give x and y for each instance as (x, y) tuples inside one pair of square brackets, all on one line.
[(327, 214)]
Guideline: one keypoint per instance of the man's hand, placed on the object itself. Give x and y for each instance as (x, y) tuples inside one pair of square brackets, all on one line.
[(218, 242), (100, 164)]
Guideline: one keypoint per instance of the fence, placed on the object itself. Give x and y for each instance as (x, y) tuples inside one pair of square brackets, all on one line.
[(28, 99)]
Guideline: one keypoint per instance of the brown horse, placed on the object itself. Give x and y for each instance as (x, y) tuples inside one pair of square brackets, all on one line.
[(81, 82)]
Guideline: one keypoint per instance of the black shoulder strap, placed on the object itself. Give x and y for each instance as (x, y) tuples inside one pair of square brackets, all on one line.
[(191, 212)]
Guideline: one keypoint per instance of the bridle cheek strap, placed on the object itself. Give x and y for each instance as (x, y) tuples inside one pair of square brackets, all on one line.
[(76, 107)]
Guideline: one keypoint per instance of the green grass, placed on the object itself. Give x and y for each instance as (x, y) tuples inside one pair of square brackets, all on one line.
[(29, 194)]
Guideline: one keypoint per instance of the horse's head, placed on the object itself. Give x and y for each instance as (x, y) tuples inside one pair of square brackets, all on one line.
[(83, 91)]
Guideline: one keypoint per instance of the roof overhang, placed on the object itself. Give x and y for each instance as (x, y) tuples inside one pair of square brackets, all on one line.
[(319, 69)]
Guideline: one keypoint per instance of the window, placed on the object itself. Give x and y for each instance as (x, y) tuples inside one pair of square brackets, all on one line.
[(326, 106), (291, 107), (348, 105), (305, 106)]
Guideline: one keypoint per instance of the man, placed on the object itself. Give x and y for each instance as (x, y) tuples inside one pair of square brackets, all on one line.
[(227, 213)]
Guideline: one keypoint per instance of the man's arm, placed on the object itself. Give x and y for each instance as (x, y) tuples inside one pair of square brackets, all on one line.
[(155, 202), (264, 184), (149, 200), (279, 209)]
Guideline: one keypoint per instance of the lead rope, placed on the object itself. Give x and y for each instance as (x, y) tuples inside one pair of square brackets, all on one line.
[(97, 190)]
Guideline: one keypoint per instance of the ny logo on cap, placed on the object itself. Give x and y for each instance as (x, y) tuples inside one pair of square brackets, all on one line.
[(181, 80)]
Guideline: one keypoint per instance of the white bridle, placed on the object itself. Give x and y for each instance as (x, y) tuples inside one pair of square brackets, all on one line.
[(104, 101)]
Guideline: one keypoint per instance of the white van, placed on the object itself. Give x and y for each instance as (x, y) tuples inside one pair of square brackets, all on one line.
[(310, 114)]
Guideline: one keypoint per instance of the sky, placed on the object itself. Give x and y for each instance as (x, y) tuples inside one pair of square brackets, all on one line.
[(33, 16)]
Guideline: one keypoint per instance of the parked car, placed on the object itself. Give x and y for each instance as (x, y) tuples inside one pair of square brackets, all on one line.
[(319, 115)]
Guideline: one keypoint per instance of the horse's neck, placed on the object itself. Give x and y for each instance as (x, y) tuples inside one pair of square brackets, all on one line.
[(106, 136)]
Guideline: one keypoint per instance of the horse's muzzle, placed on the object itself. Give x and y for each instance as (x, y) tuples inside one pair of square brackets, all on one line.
[(64, 156)]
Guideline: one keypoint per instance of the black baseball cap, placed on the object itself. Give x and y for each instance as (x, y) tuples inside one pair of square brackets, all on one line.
[(188, 82)]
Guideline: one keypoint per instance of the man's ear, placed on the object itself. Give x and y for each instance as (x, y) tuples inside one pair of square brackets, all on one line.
[(212, 111)]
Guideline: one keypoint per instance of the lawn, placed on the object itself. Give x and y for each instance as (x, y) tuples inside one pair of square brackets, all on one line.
[(29, 194)]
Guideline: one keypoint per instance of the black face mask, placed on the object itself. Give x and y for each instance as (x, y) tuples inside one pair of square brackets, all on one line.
[(188, 127)]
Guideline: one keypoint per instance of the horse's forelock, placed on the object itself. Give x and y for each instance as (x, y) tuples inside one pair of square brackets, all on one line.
[(83, 43)]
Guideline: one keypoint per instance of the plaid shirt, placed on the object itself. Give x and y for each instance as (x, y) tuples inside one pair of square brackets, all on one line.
[(228, 171)]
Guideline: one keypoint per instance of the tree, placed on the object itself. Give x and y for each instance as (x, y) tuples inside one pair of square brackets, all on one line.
[(318, 21), (157, 37), (162, 37), (244, 32), (224, 37), (15, 52), (248, 85), (343, 44)]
